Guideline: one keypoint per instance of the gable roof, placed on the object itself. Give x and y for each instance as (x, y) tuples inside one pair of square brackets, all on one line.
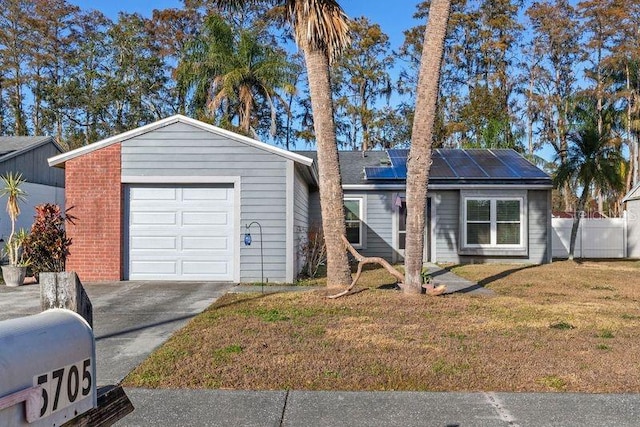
[(62, 158), (633, 194), (12, 146)]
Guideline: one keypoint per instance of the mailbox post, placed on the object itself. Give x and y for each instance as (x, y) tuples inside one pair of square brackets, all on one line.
[(48, 362)]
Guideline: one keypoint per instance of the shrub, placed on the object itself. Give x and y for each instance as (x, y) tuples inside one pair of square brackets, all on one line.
[(313, 251), (47, 246)]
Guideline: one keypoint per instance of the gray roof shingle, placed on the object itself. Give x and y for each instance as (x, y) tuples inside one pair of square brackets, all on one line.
[(11, 144)]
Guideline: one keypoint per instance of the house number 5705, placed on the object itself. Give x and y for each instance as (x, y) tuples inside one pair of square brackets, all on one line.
[(65, 386)]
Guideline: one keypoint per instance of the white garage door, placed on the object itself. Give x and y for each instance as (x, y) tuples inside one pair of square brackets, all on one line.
[(181, 233)]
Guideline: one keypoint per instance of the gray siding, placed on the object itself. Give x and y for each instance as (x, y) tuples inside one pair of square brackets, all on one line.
[(448, 224), (183, 150), (447, 210), (378, 219), (315, 214), (34, 167), (300, 219), (539, 227), (633, 228)]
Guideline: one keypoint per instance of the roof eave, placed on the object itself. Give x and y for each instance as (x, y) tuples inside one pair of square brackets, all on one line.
[(44, 141), (62, 158)]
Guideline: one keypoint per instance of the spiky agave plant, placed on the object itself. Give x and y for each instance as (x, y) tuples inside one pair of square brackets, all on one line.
[(15, 195)]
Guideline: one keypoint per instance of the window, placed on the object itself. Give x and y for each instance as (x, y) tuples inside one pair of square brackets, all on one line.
[(353, 219), (493, 222), (402, 225)]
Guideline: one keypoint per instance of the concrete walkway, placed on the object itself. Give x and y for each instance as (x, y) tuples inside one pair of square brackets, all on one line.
[(454, 283)]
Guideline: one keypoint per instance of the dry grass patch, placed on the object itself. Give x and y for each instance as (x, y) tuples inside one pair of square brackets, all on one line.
[(559, 327)]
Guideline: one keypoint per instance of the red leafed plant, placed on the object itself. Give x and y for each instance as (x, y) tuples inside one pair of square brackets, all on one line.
[(47, 246)]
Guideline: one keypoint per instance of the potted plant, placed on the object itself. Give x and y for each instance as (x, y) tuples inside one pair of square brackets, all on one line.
[(14, 273)]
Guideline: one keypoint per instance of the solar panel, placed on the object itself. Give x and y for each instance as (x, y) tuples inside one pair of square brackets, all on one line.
[(380, 172), (522, 166), (398, 157), (492, 166), (439, 167), (462, 164)]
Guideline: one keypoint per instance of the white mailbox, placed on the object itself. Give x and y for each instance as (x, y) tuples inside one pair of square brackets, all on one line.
[(47, 369)]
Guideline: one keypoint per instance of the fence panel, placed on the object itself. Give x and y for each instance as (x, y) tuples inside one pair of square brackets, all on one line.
[(597, 238)]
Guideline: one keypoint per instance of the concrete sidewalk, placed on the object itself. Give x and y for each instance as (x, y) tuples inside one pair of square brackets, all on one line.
[(378, 409)]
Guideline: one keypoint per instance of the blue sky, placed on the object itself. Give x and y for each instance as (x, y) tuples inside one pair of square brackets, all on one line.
[(393, 18)]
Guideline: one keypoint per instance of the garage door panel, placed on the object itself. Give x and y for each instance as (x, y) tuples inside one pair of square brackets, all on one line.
[(153, 218), (207, 194), (153, 243), (205, 243), (215, 268), (181, 233), (205, 218), (153, 193), (166, 267)]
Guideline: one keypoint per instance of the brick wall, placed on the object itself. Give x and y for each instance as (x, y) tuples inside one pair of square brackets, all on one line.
[(94, 191)]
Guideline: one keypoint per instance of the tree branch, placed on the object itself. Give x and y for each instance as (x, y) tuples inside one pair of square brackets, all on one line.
[(362, 261)]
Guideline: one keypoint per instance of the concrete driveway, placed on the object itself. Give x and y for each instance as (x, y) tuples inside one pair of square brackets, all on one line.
[(130, 319)]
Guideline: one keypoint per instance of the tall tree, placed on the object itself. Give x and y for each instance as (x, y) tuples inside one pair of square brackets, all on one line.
[(136, 74), (17, 42), (321, 31), (360, 79), (174, 30), (477, 104), (419, 160), (591, 160), (555, 52), (56, 26), (85, 94)]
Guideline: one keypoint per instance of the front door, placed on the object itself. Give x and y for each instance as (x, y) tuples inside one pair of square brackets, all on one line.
[(401, 230)]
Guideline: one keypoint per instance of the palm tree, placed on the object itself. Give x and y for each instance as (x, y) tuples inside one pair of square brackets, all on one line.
[(321, 31), (12, 189), (233, 74), (590, 160), (419, 160)]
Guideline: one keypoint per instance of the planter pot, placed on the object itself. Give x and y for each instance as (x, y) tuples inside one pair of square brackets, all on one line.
[(13, 275)]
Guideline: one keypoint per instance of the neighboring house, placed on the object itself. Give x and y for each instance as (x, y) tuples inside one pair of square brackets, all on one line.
[(171, 201), (632, 199), (28, 155)]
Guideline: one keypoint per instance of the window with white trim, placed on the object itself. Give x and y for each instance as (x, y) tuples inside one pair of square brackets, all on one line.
[(493, 222), (353, 212)]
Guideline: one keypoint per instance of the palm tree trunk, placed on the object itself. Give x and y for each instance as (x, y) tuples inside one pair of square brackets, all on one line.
[(419, 161), (582, 201), (331, 195)]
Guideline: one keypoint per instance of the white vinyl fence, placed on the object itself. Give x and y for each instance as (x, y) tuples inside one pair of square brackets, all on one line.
[(597, 238)]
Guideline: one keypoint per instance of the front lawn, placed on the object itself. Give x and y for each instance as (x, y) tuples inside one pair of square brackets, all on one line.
[(559, 327)]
